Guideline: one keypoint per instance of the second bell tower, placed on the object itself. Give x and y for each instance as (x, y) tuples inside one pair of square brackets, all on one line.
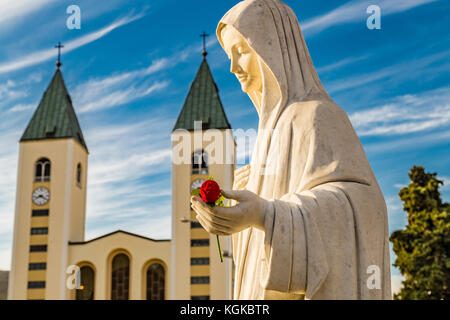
[(197, 272)]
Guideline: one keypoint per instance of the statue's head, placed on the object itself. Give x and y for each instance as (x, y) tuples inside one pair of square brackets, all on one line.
[(243, 59), (269, 56)]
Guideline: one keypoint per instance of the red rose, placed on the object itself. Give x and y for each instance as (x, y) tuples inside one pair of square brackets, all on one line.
[(210, 191)]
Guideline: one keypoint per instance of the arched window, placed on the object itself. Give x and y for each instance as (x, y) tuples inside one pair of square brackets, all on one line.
[(120, 277), (42, 172), (199, 162), (155, 282), (86, 292), (79, 174)]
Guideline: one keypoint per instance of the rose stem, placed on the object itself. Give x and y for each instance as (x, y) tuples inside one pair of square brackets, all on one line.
[(220, 251)]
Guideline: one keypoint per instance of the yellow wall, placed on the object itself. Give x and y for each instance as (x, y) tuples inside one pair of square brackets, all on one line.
[(78, 196), (36, 275), (35, 294), (141, 252), (39, 222), (38, 257), (199, 252), (219, 273), (66, 218)]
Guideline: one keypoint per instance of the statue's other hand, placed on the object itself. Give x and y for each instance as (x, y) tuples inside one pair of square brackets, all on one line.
[(249, 212), (241, 177)]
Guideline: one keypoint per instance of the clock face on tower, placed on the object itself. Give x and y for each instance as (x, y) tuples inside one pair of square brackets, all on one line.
[(41, 196), (196, 184)]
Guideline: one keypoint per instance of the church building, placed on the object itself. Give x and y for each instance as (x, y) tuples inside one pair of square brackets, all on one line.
[(52, 260)]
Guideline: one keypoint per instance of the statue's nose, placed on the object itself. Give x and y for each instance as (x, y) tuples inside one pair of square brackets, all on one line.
[(234, 67)]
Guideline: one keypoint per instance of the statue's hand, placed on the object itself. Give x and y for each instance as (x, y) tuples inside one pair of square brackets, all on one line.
[(241, 177), (249, 212)]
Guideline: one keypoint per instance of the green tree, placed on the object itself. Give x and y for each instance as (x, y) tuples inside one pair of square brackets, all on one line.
[(422, 248)]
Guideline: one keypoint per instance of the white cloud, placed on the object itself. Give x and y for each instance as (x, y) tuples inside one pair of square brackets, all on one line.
[(10, 91), (394, 205), (156, 66), (403, 128), (22, 107), (340, 64), (121, 192), (446, 181), (148, 226), (405, 114), (362, 79), (81, 41), (398, 71), (8, 172), (5, 259), (119, 89), (245, 143), (396, 283), (12, 11), (355, 11), (94, 96), (431, 139), (44, 55)]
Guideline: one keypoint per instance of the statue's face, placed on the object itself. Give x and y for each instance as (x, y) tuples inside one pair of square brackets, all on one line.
[(244, 60)]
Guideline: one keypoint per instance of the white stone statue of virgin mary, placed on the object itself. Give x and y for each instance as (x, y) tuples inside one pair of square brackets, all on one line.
[(310, 220)]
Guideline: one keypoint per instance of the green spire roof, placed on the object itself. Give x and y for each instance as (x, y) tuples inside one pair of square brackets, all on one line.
[(203, 103), (54, 117)]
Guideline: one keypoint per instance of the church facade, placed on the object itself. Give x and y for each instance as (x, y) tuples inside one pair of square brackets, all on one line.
[(51, 259)]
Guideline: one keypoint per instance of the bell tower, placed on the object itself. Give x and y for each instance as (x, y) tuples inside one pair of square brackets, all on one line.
[(50, 196), (202, 145)]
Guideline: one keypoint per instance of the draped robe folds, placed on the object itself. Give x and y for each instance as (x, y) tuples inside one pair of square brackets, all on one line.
[(326, 231)]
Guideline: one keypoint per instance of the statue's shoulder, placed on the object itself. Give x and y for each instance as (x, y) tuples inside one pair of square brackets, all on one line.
[(309, 113), (328, 110)]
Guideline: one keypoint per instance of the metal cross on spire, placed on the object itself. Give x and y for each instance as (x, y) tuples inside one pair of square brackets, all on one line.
[(59, 46), (204, 35)]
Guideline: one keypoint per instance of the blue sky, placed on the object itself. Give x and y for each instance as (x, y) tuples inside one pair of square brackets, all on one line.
[(129, 68)]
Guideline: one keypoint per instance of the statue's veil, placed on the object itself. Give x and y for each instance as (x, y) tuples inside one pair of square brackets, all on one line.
[(288, 74)]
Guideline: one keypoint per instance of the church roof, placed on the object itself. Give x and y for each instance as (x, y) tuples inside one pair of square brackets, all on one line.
[(203, 103), (116, 232), (55, 116)]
